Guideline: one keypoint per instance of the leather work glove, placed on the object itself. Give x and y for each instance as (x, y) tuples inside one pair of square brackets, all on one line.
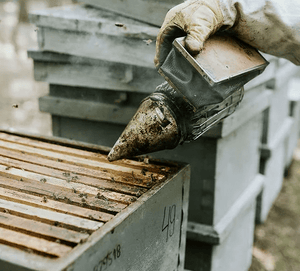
[(196, 18), (271, 26)]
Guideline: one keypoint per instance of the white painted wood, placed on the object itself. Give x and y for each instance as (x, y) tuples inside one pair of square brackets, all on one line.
[(60, 30), (272, 168), (281, 135), (234, 232), (87, 110), (279, 103), (247, 197), (148, 11), (294, 98), (216, 234), (115, 49), (83, 18), (237, 163), (236, 252), (94, 73)]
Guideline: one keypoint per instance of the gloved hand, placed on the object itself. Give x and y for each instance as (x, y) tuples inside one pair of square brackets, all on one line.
[(196, 18), (271, 26)]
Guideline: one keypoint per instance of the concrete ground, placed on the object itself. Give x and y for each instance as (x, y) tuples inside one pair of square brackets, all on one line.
[(277, 242)]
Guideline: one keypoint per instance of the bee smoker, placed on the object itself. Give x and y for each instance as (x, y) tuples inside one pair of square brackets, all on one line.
[(199, 92)]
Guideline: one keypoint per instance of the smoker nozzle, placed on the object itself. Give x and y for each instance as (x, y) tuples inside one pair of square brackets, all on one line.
[(153, 128), (165, 119)]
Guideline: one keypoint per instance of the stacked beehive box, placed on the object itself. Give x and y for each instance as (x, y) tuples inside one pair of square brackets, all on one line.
[(277, 129), (109, 56), (65, 207), (294, 112), (99, 69)]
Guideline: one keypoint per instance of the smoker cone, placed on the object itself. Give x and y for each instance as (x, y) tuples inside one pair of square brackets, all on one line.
[(151, 129)]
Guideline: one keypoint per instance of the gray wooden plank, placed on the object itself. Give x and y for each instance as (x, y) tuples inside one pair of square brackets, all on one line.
[(217, 234), (88, 110), (148, 11), (42, 214), (39, 228), (92, 33), (30, 242), (54, 205), (81, 18), (101, 75), (278, 138), (62, 184), (117, 49), (73, 160)]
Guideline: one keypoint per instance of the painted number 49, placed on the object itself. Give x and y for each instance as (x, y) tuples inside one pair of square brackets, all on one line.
[(168, 223)]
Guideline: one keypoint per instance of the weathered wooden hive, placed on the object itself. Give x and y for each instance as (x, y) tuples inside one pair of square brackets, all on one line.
[(294, 112), (152, 11), (278, 123), (95, 33), (65, 207), (95, 91)]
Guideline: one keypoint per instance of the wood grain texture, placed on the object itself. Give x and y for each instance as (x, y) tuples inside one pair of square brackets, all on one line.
[(50, 216), (33, 243), (75, 160), (152, 12), (272, 167), (40, 229), (82, 153), (77, 169), (54, 197), (83, 18), (87, 110), (57, 193), (68, 70), (118, 49), (279, 102), (73, 177), (45, 203)]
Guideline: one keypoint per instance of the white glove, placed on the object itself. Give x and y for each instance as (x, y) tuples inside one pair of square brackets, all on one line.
[(271, 26), (196, 18)]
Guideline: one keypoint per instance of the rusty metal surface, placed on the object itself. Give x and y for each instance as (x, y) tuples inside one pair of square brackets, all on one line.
[(223, 58), (208, 88)]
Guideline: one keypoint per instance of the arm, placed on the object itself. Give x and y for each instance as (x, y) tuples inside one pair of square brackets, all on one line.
[(271, 26)]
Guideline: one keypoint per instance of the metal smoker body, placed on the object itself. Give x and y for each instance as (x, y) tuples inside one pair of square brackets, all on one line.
[(200, 91)]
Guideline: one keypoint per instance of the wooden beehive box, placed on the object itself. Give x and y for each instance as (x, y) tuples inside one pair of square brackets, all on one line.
[(272, 165), (277, 128), (68, 70), (153, 11), (65, 207), (95, 33), (228, 246), (294, 98)]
